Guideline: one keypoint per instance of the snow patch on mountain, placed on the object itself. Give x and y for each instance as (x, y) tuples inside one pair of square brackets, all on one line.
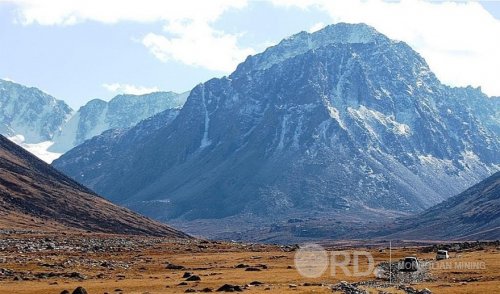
[(205, 141), (373, 119), (40, 150)]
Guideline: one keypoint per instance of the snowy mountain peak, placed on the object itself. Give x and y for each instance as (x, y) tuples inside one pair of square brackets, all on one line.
[(345, 33)]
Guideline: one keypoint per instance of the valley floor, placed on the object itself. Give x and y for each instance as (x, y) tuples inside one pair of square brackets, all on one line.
[(41, 263)]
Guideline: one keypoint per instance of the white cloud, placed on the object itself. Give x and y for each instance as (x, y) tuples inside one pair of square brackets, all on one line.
[(459, 40), (66, 12), (198, 44), (129, 89), (195, 42)]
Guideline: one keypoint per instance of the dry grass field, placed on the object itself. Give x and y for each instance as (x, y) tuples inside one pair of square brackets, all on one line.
[(116, 264)]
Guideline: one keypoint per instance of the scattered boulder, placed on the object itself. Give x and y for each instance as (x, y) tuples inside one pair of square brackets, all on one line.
[(100, 276), (307, 284), (80, 290), (76, 275), (411, 290), (174, 266), (348, 288), (252, 269), (230, 288), (193, 278)]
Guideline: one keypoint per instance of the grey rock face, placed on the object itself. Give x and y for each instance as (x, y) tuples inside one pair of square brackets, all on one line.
[(100, 152), (123, 111), (30, 112), (343, 120)]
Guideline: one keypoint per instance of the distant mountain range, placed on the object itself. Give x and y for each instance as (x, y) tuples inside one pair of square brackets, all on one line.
[(123, 111), (48, 127), (35, 196), (338, 124)]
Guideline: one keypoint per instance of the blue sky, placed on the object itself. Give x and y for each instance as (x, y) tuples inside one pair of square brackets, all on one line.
[(89, 50)]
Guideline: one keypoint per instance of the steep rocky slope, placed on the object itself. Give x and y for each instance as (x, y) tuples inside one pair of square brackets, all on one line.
[(471, 215), (34, 196), (100, 152)]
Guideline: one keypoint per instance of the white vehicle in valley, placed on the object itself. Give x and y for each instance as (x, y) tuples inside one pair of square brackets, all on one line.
[(409, 264), (442, 254)]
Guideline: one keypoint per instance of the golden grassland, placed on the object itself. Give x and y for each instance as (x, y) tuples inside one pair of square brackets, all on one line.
[(143, 270)]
